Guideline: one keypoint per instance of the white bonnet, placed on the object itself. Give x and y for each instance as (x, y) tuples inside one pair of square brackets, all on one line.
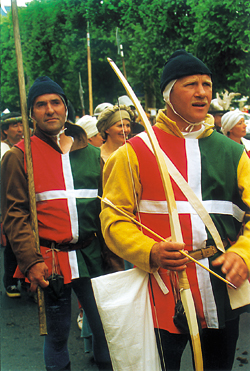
[(124, 99), (88, 123), (230, 119), (98, 110)]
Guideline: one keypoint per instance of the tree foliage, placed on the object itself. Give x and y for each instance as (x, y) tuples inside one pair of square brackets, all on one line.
[(221, 38), (53, 34), (9, 78)]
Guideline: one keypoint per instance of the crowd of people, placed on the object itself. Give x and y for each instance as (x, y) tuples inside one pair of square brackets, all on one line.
[(74, 162)]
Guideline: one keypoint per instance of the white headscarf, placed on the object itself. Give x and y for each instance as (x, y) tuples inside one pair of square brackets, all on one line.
[(230, 119)]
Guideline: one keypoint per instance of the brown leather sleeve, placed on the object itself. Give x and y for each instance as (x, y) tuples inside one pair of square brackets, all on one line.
[(15, 209)]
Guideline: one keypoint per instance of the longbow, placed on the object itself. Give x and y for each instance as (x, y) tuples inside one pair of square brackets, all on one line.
[(176, 234)]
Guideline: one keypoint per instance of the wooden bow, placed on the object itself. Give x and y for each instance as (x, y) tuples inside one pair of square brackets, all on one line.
[(176, 234)]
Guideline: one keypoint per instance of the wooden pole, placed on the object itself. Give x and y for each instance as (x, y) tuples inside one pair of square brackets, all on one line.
[(89, 72), (123, 61), (120, 51), (31, 186)]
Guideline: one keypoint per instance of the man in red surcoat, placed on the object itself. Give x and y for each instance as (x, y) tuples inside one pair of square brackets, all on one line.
[(67, 178), (187, 137)]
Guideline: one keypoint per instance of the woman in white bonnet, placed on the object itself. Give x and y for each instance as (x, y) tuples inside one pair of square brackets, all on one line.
[(234, 127), (88, 123)]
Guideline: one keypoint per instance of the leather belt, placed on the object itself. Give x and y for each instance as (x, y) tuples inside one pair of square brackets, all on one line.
[(68, 246), (205, 252)]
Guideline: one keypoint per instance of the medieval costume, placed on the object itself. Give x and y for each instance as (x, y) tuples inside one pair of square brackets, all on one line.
[(66, 186), (224, 190)]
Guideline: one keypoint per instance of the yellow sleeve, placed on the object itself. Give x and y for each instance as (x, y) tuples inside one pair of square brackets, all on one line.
[(242, 245), (122, 187)]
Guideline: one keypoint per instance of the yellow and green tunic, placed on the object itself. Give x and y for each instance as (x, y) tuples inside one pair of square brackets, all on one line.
[(217, 170)]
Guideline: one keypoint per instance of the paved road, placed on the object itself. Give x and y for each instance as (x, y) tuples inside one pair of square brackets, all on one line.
[(21, 346)]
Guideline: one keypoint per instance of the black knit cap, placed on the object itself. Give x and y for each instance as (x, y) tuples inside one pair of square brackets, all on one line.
[(44, 85), (180, 64)]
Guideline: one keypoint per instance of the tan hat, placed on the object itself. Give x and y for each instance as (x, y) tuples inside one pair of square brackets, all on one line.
[(111, 115)]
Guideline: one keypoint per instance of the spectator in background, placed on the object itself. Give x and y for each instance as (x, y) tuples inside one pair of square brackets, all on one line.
[(217, 111), (136, 127), (12, 133), (234, 127), (100, 108), (88, 123), (114, 124)]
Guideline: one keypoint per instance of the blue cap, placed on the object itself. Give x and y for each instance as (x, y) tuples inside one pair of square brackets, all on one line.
[(44, 85)]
